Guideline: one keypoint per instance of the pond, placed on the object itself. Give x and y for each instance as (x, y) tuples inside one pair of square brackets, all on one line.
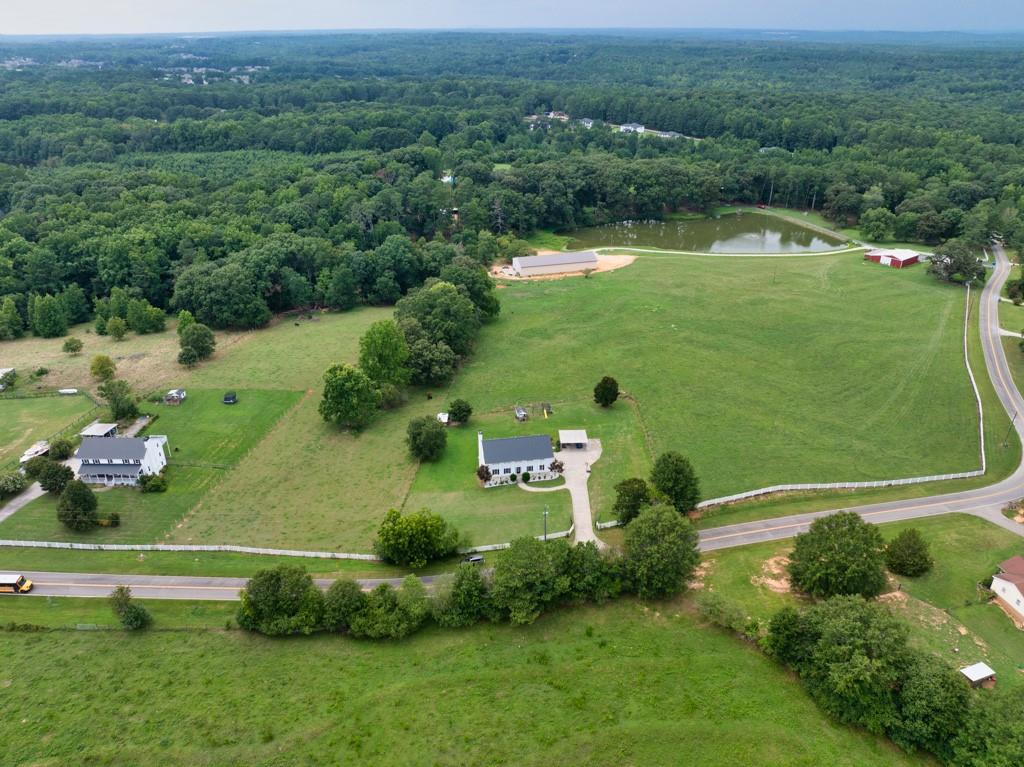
[(744, 232)]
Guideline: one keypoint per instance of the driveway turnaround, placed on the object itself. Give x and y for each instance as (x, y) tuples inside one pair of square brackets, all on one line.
[(577, 463)]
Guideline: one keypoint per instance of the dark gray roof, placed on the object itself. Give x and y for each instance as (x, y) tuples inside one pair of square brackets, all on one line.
[(112, 448), (576, 257), (512, 449), (89, 470)]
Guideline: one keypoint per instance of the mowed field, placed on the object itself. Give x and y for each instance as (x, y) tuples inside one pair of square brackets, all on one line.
[(27, 420), (622, 684), (947, 613), (760, 370)]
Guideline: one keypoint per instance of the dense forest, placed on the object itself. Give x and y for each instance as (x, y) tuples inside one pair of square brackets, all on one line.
[(240, 176)]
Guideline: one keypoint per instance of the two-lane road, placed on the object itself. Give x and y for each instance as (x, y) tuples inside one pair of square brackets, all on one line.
[(986, 502)]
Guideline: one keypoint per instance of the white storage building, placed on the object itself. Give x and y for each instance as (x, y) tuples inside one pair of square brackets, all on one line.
[(554, 263)]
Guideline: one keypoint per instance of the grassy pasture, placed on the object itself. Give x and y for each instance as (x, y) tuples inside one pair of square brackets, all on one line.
[(761, 370), (441, 698), (24, 421)]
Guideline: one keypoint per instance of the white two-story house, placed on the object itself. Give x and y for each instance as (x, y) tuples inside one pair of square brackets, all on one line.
[(120, 460)]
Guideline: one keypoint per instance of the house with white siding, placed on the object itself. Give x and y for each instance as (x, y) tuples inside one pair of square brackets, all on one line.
[(120, 460), (1008, 586), (509, 458)]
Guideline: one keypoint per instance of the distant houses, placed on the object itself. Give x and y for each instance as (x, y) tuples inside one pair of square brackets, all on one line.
[(632, 128)]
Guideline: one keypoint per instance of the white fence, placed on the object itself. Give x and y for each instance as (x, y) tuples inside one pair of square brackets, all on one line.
[(498, 546), (186, 547), (797, 487)]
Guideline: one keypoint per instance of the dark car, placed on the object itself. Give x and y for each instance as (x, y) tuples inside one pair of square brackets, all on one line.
[(230, 398), (474, 559)]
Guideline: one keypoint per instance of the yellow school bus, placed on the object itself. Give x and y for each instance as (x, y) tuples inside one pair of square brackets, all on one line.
[(13, 583)]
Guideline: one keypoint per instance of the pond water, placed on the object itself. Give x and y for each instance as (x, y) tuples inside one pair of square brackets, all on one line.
[(732, 233)]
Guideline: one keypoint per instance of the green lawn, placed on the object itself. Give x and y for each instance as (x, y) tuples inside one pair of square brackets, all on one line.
[(621, 684), (24, 421), (205, 438), (496, 515), (548, 239)]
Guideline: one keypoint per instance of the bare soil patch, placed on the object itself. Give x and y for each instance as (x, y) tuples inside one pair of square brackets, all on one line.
[(774, 576), (1014, 618), (702, 572)]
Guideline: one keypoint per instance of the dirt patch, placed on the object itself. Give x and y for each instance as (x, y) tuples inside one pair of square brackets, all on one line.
[(697, 583), (774, 576), (894, 597)]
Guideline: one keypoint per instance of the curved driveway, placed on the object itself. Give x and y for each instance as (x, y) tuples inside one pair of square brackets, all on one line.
[(985, 502)]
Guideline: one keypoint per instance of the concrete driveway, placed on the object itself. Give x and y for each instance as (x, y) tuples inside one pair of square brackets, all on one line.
[(577, 463)]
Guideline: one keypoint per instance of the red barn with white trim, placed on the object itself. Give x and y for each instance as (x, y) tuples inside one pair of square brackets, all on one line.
[(896, 258)]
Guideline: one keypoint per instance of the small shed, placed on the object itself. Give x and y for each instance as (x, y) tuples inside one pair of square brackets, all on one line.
[(98, 429), (979, 675), (443, 419), (897, 258), (572, 438), (175, 397)]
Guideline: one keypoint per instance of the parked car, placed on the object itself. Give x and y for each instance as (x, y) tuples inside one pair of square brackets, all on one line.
[(230, 398), (474, 559)]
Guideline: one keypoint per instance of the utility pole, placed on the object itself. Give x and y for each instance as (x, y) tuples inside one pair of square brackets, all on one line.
[(1006, 439), (545, 522)]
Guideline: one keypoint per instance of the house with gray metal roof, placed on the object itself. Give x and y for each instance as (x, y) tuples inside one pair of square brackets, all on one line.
[(554, 263), (120, 460), (509, 458)]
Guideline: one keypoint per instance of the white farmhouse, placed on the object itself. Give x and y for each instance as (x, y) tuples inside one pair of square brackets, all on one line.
[(120, 460), (1008, 585), (512, 456), (632, 128)]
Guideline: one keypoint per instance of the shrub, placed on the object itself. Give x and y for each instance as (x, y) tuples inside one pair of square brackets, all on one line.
[(391, 613), (72, 346), (426, 438), (120, 399), (673, 476), (197, 343), (153, 483), (34, 466), (591, 575), (61, 449), (12, 483), (606, 391), (556, 466), (102, 367), (459, 411), (113, 519), (463, 600), (40, 372), (631, 495), (908, 554), (279, 601), (527, 579), (117, 328), (483, 473), (343, 601), (132, 615), (76, 507), (54, 477), (526, 476), (840, 554), (661, 552), (414, 539)]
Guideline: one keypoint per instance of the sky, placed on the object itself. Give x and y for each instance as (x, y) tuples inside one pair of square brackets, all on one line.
[(144, 16)]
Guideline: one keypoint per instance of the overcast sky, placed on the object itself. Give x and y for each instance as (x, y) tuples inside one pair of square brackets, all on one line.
[(118, 16)]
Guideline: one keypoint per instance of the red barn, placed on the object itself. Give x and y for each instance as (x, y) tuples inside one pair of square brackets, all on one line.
[(897, 258)]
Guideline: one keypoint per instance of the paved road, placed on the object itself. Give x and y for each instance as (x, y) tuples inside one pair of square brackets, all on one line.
[(46, 584), (985, 502)]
